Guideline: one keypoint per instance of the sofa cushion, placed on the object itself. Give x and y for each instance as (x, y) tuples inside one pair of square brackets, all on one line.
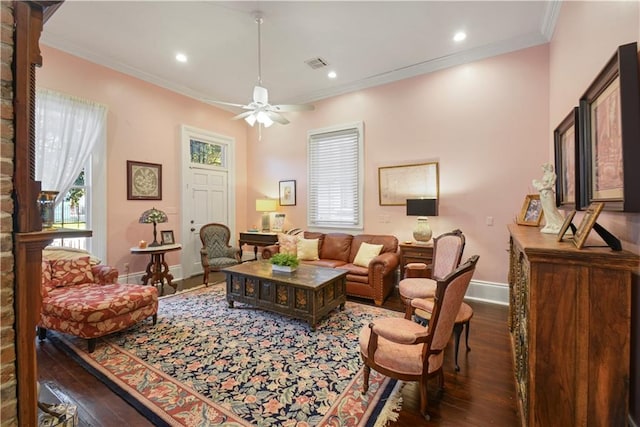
[(70, 272), (336, 246), (366, 253), (288, 244), (329, 263), (308, 249), (96, 303)]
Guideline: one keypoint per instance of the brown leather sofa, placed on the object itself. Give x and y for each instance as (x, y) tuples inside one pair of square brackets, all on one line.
[(338, 250)]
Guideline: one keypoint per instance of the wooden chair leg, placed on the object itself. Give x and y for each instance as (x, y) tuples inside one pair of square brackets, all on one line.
[(155, 318), (365, 383), (466, 332), (91, 345), (457, 331), (205, 280), (424, 399)]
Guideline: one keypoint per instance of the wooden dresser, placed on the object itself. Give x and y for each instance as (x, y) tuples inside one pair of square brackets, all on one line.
[(569, 320)]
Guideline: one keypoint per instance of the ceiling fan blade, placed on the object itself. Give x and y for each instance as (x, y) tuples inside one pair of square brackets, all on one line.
[(229, 104), (260, 95), (290, 107), (278, 118), (242, 115)]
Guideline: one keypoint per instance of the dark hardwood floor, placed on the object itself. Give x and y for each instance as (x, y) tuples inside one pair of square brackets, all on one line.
[(481, 394)]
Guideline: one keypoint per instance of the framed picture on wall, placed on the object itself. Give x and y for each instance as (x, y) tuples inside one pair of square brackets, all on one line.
[(396, 184), (566, 143), (610, 136), (287, 193), (144, 181)]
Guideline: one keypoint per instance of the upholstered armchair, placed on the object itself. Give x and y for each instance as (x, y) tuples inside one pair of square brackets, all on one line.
[(447, 253), (80, 297), (405, 350), (216, 253)]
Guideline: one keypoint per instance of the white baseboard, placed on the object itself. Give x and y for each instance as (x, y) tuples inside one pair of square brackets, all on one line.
[(175, 270), (494, 293)]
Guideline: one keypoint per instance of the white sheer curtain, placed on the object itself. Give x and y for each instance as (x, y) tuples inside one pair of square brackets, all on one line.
[(67, 130)]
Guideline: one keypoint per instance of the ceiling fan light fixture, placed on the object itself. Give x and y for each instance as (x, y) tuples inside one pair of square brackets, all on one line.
[(264, 119), (251, 120)]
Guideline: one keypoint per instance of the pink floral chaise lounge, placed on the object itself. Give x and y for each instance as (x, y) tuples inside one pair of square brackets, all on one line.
[(80, 297)]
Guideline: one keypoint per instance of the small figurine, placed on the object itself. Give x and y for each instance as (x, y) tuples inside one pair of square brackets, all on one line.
[(553, 218)]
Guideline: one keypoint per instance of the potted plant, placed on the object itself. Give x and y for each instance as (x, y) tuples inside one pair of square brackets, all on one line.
[(284, 262)]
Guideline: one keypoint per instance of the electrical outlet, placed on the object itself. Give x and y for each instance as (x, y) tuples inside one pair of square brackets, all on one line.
[(489, 221), (126, 267)]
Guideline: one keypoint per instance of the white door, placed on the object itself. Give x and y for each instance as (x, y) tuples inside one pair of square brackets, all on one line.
[(206, 196)]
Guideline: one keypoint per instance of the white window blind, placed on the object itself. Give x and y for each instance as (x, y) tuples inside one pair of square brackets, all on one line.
[(335, 177)]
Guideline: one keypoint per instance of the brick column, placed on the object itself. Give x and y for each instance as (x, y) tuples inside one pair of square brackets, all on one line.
[(8, 384)]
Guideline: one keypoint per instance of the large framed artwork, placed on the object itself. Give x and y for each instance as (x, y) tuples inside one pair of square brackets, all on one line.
[(144, 181), (396, 184), (566, 143), (610, 135)]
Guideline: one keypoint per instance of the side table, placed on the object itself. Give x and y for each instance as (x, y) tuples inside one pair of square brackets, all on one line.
[(256, 239), (415, 252), (157, 269)]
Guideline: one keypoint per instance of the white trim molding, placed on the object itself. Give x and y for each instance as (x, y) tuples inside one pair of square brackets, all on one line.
[(491, 292)]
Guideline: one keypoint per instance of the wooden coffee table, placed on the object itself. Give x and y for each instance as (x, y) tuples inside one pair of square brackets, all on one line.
[(309, 293)]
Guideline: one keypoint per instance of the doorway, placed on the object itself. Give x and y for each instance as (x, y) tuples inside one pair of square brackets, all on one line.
[(208, 167)]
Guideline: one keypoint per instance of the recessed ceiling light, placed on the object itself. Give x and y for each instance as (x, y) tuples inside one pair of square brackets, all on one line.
[(332, 74), (459, 36), (181, 57)]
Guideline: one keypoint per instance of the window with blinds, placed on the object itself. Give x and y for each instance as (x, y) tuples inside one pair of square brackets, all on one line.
[(335, 177)]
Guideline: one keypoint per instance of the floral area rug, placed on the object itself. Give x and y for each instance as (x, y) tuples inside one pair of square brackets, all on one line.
[(205, 364)]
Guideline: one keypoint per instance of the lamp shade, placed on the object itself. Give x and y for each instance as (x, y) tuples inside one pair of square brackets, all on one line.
[(152, 215), (422, 207), (266, 205)]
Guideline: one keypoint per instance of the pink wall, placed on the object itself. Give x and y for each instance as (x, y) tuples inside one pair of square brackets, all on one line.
[(143, 124), (586, 36), (486, 124)]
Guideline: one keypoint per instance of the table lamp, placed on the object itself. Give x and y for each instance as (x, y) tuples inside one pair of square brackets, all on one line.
[(422, 208), (154, 216), (265, 206)]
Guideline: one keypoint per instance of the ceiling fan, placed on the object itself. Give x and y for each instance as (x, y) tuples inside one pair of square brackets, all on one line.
[(259, 110)]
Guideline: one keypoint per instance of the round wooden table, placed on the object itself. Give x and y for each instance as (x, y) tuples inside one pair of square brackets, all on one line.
[(157, 270)]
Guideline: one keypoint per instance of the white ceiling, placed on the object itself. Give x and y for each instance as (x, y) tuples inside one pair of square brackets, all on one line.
[(367, 43)]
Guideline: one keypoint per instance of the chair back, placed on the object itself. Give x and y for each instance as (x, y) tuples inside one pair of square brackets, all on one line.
[(447, 253), (449, 296), (215, 239)]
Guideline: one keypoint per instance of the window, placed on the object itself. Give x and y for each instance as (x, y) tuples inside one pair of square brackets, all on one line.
[(71, 158), (335, 177)]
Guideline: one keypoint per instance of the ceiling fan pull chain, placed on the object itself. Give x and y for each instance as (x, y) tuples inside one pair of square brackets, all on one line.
[(259, 21)]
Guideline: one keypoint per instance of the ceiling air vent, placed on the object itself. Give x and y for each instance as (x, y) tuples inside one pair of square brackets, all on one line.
[(316, 63)]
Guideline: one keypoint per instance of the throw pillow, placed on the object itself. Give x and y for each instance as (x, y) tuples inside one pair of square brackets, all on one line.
[(288, 244), (69, 272), (53, 253), (366, 253), (308, 249)]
